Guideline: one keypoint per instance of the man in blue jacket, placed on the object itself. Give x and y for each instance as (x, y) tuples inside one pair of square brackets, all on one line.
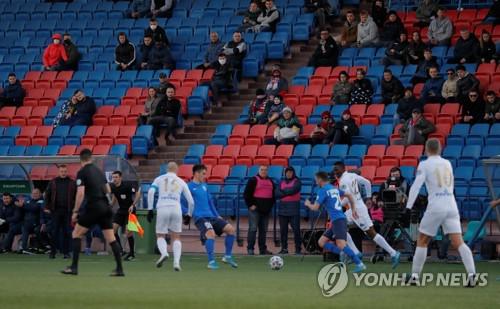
[(11, 213), (212, 52), (13, 94), (31, 223), (431, 93)]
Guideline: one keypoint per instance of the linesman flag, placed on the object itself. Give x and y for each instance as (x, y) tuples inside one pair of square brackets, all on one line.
[(134, 225)]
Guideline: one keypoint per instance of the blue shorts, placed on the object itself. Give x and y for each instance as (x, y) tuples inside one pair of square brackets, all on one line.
[(205, 224), (338, 230)]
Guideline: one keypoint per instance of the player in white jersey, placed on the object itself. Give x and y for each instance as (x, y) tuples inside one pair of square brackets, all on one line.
[(170, 188), (350, 182), (442, 210)]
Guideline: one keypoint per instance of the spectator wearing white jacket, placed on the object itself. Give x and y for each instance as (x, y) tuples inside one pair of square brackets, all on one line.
[(440, 29), (367, 31)]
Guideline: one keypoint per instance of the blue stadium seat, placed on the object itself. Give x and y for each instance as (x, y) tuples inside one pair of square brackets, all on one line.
[(237, 174), (463, 175), (50, 150), (58, 135), (34, 150), (452, 153), (4, 150), (119, 150), (275, 172), (16, 151), (470, 155), (300, 155), (194, 153), (355, 154), (366, 133), (318, 155), (142, 140), (221, 134), (9, 135), (75, 134), (308, 173)]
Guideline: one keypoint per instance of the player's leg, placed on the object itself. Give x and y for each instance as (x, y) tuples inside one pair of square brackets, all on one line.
[(230, 232), (352, 245), (78, 232), (109, 235), (339, 229), (162, 220), (116, 228), (131, 245), (175, 226), (209, 247), (420, 255)]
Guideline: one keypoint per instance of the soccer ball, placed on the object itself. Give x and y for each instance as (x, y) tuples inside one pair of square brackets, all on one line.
[(276, 262)]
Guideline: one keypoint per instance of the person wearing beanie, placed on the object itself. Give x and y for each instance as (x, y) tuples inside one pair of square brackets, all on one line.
[(274, 109), (323, 129), (343, 131), (257, 108), (288, 129), (54, 55), (276, 84)]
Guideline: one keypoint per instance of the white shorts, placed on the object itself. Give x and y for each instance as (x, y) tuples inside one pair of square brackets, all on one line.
[(169, 218), (364, 222), (432, 220)]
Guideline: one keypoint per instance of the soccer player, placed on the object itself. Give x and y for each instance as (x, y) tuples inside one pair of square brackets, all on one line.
[(127, 195), (94, 188), (330, 196), (207, 219), (169, 212), (349, 182), (442, 210)]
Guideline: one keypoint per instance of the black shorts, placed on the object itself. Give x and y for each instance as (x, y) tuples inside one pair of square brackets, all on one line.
[(338, 230), (121, 218), (98, 213), (205, 224)]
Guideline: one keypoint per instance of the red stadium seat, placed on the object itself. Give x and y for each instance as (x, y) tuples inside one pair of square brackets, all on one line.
[(381, 174), (306, 131), (281, 155), (408, 161), (65, 75), (413, 151), (135, 111), (375, 109), (52, 172), (486, 68), (38, 172), (103, 114), (101, 149), (133, 93), (33, 75), (25, 136), (418, 89), (207, 76), (317, 80), (368, 172), (296, 89), (82, 147), (42, 135), (270, 131), (264, 155), (43, 84), (124, 136), (6, 115), (194, 74), (432, 108), (247, 155), (479, 29), (256, 134), (92, 134), (370, 119), (302, 112), (38, 113), (219, 173), (178, 74), (212, 154), (185, 171), (323, 71), (373, 155), (108, 135), (22, 115), (229, 154), (50, 97), (467, 15), (336, 71), (33, 96), (309, 100), (67, 150), (392, 155), (358, 110), (240, 132), (313, 90), (119, 115), (49, 75)]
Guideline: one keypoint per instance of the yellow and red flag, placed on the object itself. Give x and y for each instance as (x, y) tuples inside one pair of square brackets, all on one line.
[(134, 225)]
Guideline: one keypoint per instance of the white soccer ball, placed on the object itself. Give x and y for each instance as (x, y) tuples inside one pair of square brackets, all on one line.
[(276, 262)]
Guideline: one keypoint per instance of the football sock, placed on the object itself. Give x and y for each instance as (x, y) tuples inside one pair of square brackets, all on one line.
[(350, 253), (418, 260), (131, 244), (117, 237), (162, 246), (77, 245), (467, 259), (351, 244), (115, 247), (379, 240), (177, 247), (332, 248), (229, 240), (209, 246)]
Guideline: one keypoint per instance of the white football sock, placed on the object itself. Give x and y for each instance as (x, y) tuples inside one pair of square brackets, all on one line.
[(467, 259), (351, 244), (379, 240), (162, 246), (418, 261), (177, 247)]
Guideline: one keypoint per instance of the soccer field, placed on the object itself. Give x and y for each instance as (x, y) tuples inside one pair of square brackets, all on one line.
[(35, 282)]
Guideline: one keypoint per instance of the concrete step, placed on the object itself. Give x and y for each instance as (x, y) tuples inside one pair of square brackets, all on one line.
[(214, 122), (199, 129), (192, 135)]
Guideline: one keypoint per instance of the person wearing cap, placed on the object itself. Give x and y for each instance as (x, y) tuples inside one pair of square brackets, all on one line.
[(13, 94), (124, 53), (323, 129), (11, 217), (466, 83), (288, 193), (342, 89), (274, 109), (492, 109), (406, 105), (362, 89), (288, 129), (54, 55), (257, 108), (431, 93), (449, 91), (415, 130), (212, 51), (327, 52), (344, 130), (74, 55), (78, 110), (276, 84), (467, 49), (222, 79), (422, 72), (441, 29), (473, 108), (391, 29), (392, 88)]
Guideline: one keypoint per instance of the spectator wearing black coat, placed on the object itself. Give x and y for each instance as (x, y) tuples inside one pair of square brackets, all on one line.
[(12, 218), (422, 73), (415, 130), (327, 52), (78, 110), (31, 221), (222, 79), (250, 17), (492, 108), (392, 88), (236, 50), (72, 52), (416, 49), (166, 113), (156, 32), (124, 53), (472, 108), (320, 10), (431, 93), (467, 49), (13, 93), (160, 57), (488, 48), (379, 13), (397, 53), (466, 83), (391, 29), (406, 105), (362, 90), (145, 52), (345, 129)]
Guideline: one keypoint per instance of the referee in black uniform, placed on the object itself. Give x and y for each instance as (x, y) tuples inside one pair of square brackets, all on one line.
[(127, 195), (94, 188)]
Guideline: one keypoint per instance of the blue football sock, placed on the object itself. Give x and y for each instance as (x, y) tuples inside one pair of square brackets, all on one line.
[(351, 254), (229, 244), (332, 248), (209, 246)]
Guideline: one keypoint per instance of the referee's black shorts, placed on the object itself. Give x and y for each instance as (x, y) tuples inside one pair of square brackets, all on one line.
[(97, 213)]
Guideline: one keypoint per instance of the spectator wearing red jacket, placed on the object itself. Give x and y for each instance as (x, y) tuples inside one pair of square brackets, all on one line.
[(54, 55)]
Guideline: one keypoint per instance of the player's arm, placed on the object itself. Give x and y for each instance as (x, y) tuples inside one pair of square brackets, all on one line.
[(350, 199), (320, 198), (366, 184), (151, 195), (415, 188), (189, 198), (80, 193), (109, 194)]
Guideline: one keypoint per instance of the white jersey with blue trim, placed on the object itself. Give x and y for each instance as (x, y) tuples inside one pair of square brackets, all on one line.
[(350, 183), (170, 188)]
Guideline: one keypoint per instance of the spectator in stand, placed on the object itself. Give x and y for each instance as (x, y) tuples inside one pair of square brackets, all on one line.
[(392, 29), (327, 52), (397, 52), (212, 52), (466, 83), (72, 52), (160, 57), (320, 10), (154, 98), (473, 108), (342, 89), (425, 11), (78, 110), (124, 53), (259, 198), (274, 109), (268, 18), (156, 32), (488, 48), (492, 108), (431, 93), (396, 182), (392, 88), (349, 35), (289, 211), (250, 17), (31, 222), (161, 8), (362, 90), (377, 214), (416, 49), (323, 129), (138, 9), (222, 79), (406, 105), (441, 29), (422, 73), (164, 83), (277, 84), (54, 56), (288, 129), (12, 218), (367, 35), (236, 50), (467, 49), (416, 129), (379, 13), (145, 52), (13, 94), (166, 113), (449, 91), (343, 131), (493, 14), (257, 109)]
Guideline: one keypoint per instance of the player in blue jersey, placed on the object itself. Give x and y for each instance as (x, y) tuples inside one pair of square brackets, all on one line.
[(207, 219), (330, 197)]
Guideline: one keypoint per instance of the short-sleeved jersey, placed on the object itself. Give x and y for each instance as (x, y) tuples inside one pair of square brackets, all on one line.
[(350, 182), (124, 194), (203, 205), (94, 181), (330, 197), (170, 188)]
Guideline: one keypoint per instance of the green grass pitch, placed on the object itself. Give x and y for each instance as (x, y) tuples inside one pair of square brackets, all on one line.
[(35, 282)]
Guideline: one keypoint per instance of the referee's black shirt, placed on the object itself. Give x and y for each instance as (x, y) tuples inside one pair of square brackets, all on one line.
[(94, 181), (124, 194)]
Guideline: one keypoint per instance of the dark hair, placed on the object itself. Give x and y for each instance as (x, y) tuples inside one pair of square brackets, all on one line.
[(148, 35), (363, 12), (361, 71), (236, 31), (117, 173), (153, 19), (7, 194), (322, 175), (490, 92), (12, 74), (344, 73), (324, 29), (395, 169), (199, 168), (409, 89), (349, 12), (61, 165), (85, 154), (170, 86), (387, 71), (122, 34), (339, 164)]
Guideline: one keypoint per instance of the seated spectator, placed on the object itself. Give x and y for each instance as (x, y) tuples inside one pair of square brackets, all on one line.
[(397, 52), (422, 73), (150, 106), (273, 110), (31, 218), (473, 108), (416, 49), (431, 93), (392, 88), (349, 35), (379, 13), (78, 110), (72, 52), (160, 57), (11, 217), (268, 18), (167, 113), (250, 17), (343, 131), (492, 109), (488, 48), (467, 49), (156, 32), (164, 83), (441, 29), (54, 56), (222, 79), (493, 15), (277, 84), (323, 129), (161, 8), (416, 129), (145, 52), (13, 94), (466, 83), (406, 105), (212, 51), (396, 183), (320, 10), (288, 129), (367, 34), (342, 89), (236, 50), (362, 90), (327, 52), (257, 108), (425, 10), (124, 53), (138, 9), (392, 29), (449, 91)]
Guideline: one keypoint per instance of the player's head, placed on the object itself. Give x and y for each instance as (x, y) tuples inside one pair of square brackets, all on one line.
[(433, 147), (6, 198), (321, 178), (62, 171), (199, 172), (116, 176), (85, 156), (36, 194), (263, 171), (338, 168), (172, 167)]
